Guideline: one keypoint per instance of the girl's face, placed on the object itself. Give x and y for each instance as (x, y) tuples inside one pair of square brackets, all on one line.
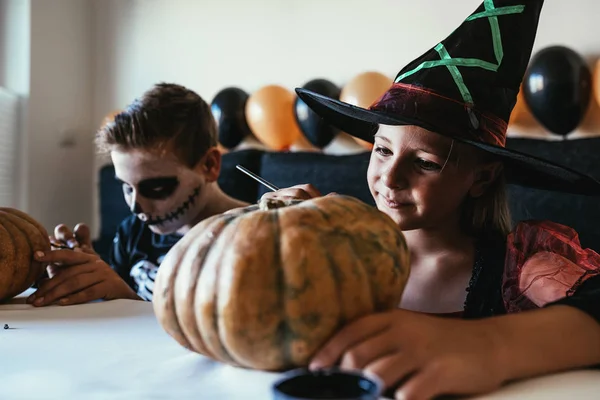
[(159, 189), (420, 179)]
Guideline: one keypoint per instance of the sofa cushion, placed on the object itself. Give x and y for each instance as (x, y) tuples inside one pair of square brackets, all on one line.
[(113, 208), (233, 181), (346, 174), (577, 211), (343, 174)]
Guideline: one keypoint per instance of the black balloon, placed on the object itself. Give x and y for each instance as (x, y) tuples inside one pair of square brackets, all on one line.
[(228, 108), (314, 128), (557, 88)]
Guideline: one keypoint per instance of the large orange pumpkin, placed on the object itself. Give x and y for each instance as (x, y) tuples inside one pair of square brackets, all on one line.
[(20, 237), (265, 286)]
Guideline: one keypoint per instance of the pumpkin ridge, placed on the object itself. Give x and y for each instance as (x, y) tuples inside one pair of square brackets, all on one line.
[(163, 301), (380, 250), (32, 221), (7, 261), (36, 269), (222, 352), (294, 293), (371, 243), (331, 262), (341, 204), (365, 269), (335, 274), (305, 256), (165, 307), (314, 207), (186, 312), (391, 253), (233, 342), (37, 238), (357, 298), (373, 283), (284, 333), (274, 334), (19, 238)]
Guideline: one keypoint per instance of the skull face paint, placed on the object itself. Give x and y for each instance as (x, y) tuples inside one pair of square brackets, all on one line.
[(159, 189)]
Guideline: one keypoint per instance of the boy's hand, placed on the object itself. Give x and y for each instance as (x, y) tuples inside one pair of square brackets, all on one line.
[(79, 277), (80, 239)]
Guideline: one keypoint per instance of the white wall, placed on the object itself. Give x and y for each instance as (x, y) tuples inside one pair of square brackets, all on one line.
[(59, 154), (3, 38), (14, 76), (210, 44), (14, 45), (89, 57), (47, 59)]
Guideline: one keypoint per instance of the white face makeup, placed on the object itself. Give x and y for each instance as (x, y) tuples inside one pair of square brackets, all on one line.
[(159, 189)]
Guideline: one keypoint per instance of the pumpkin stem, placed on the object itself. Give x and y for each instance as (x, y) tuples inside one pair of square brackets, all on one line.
[(265, 204)]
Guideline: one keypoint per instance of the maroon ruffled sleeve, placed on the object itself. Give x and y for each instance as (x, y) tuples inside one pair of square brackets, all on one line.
[(544, 263)]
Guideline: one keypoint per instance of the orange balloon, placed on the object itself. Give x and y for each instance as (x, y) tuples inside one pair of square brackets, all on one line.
[(597, 81), (363, 90), (222, 150), (302, 144), (270, 116), (520, 113), (110, 117), (364, 143)]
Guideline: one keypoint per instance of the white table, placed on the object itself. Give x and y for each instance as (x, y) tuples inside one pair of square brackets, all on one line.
[(117, 350)]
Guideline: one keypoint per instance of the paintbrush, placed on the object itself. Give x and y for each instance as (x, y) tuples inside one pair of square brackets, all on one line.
[(257, 178), (58, 245)]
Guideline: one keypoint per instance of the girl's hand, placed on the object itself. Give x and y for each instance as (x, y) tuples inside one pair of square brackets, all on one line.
[(301, 192), (79, 277), (423, 356)]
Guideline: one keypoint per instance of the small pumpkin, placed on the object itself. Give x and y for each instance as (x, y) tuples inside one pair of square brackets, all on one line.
[(263, 287), (20, 236)]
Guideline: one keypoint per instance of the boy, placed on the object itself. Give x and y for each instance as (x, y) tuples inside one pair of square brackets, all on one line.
[(164, 150)]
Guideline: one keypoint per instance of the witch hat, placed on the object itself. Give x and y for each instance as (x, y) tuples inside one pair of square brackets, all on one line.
[(465, 87)]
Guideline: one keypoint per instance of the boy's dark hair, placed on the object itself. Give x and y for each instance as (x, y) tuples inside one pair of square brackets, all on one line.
[(166, 116)]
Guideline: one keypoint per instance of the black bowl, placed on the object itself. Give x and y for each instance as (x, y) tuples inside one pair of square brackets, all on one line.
[(327, 384)]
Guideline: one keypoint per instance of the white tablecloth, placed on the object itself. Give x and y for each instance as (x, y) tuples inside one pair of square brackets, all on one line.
[(117, 350)]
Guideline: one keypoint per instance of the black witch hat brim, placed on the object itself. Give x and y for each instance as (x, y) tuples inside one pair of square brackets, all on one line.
[(520, 168)]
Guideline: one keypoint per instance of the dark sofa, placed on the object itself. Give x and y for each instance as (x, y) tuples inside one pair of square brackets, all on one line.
[(346, 174)]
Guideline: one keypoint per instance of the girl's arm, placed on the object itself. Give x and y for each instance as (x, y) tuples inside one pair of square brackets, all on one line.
[(549, 340), (557, 282), (419, 356)]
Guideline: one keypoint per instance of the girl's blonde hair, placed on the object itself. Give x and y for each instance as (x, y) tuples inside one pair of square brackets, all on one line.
[(490, 212)]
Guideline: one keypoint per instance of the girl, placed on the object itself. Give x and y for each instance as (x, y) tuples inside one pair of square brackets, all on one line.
[(438, 168)]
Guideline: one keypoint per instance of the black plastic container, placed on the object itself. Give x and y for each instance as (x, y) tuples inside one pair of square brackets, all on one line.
[(330, 384)]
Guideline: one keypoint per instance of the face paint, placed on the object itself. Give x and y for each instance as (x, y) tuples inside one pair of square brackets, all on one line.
[(159, 189), (178, 212)]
